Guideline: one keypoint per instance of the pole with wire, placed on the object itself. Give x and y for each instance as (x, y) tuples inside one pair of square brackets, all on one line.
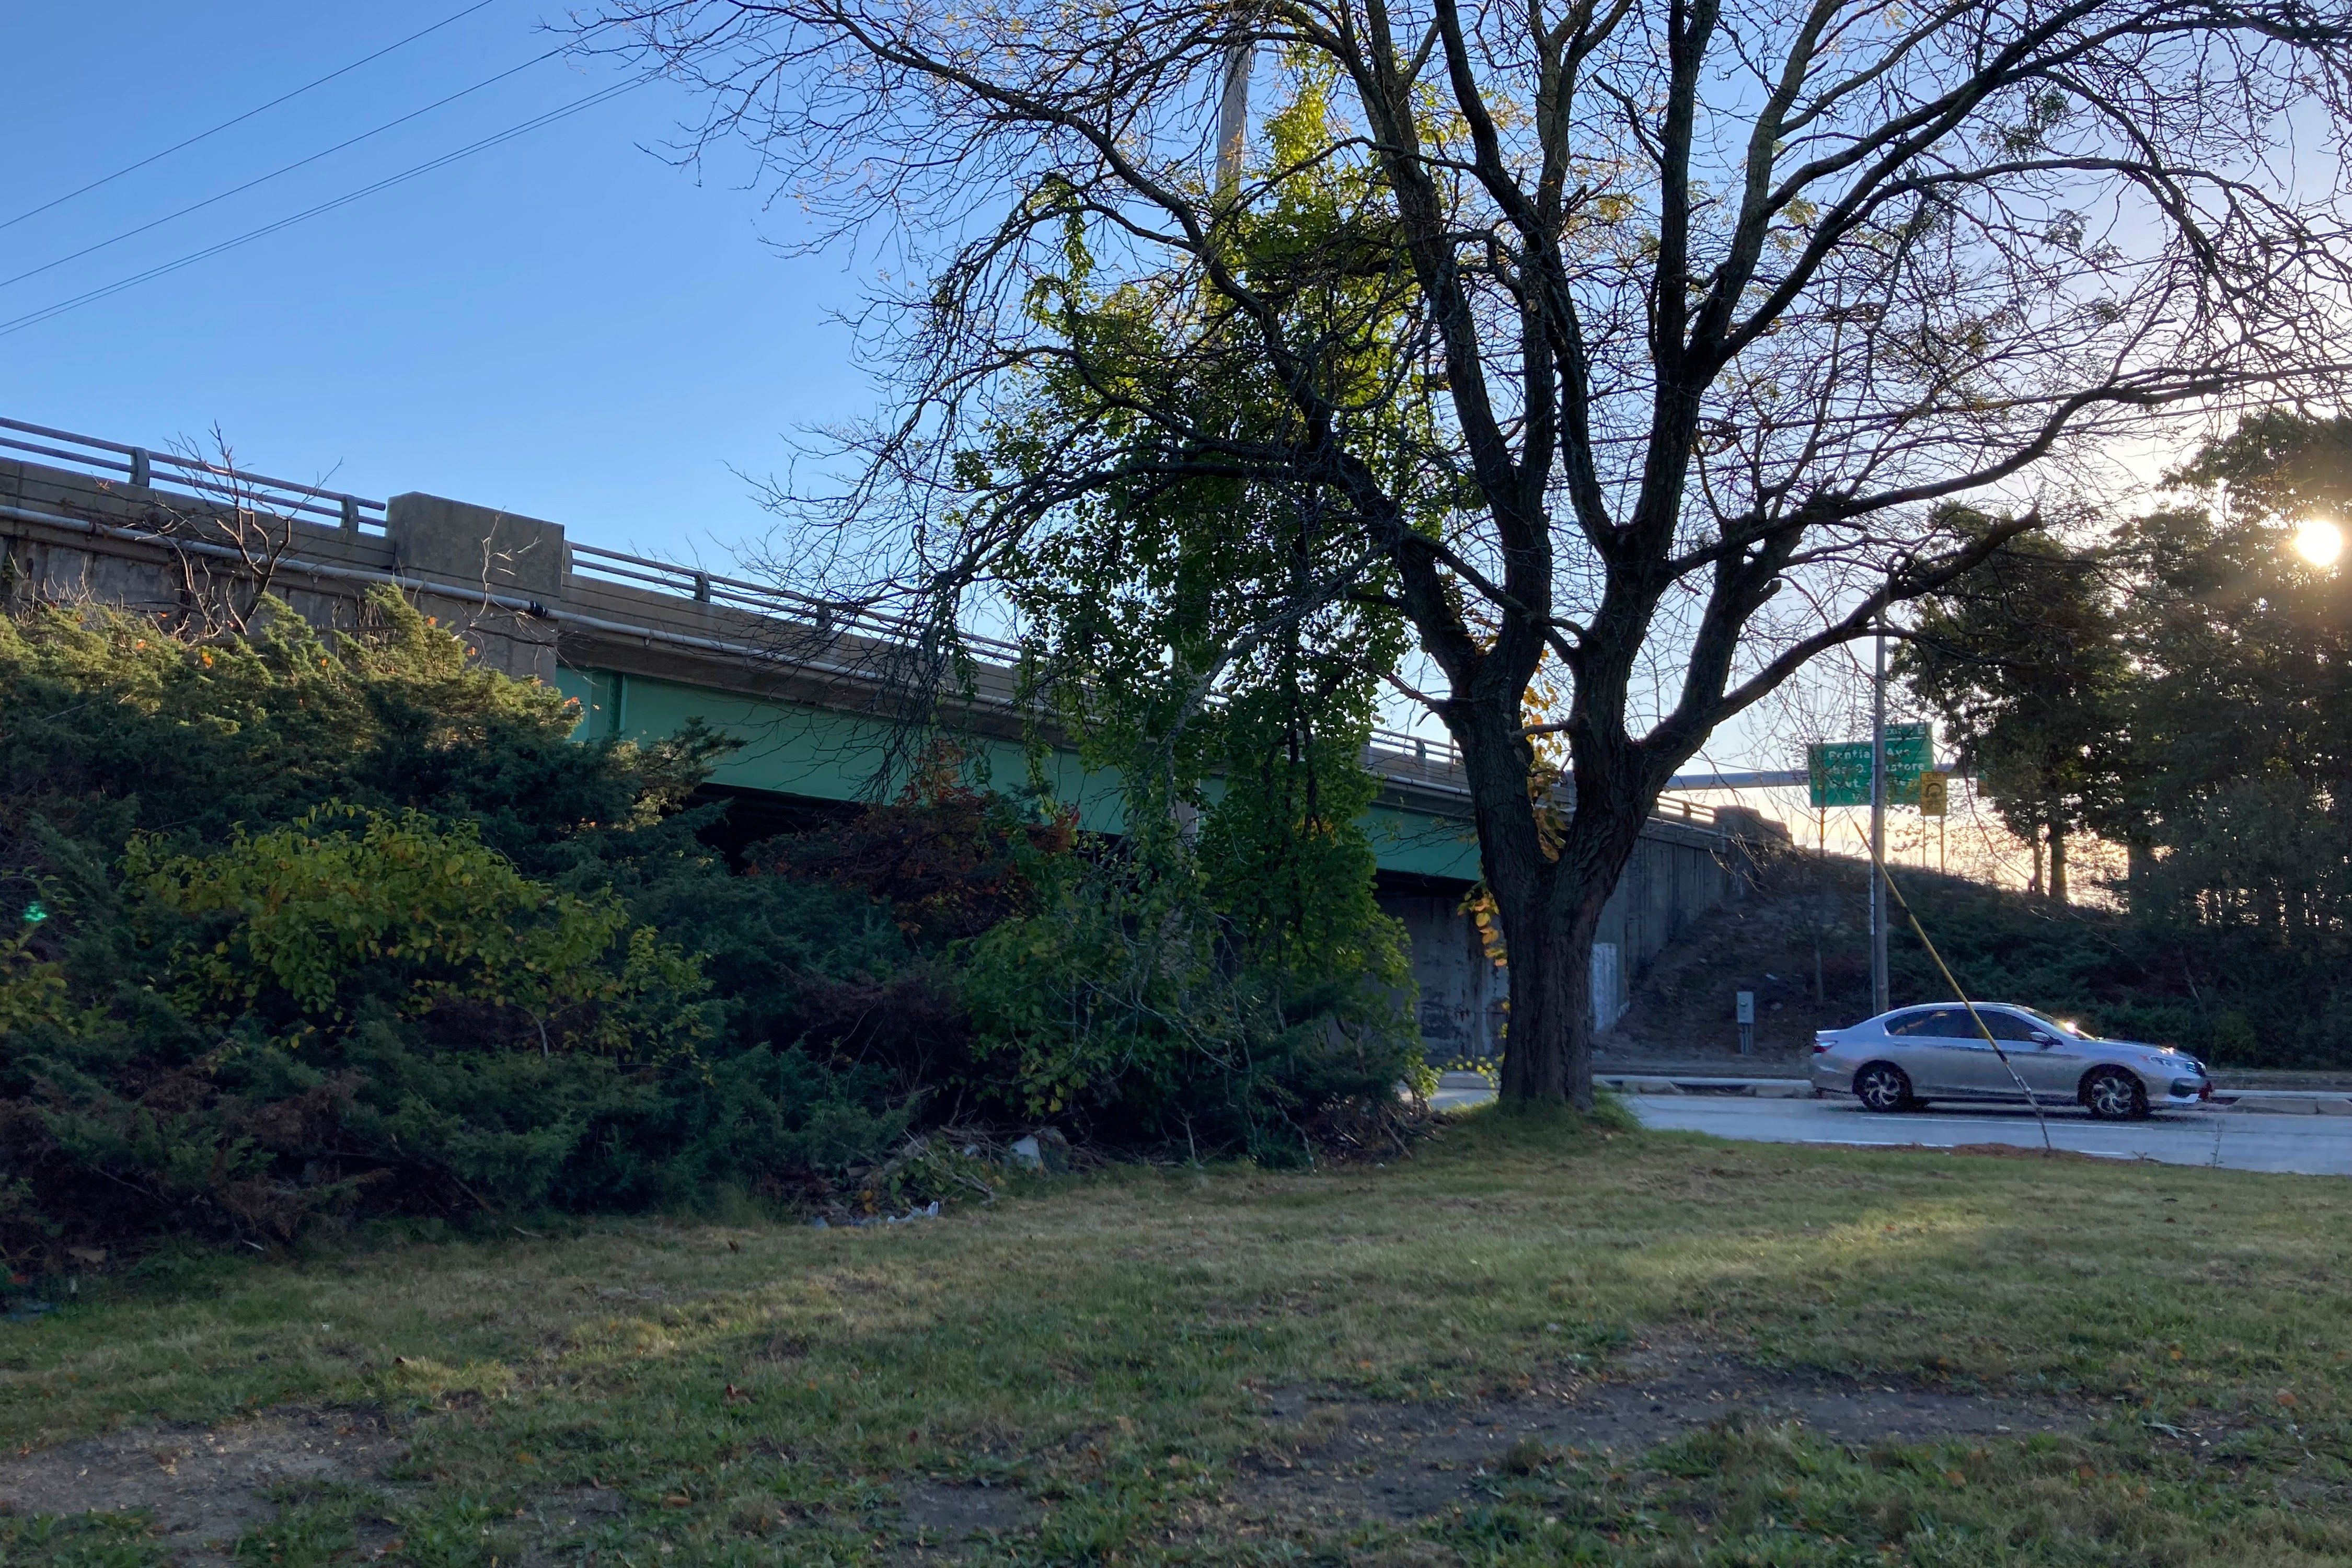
[(2034, 1101), (1878, 987)]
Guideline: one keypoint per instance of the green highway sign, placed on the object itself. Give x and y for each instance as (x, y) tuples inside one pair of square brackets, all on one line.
[(1839, 773)]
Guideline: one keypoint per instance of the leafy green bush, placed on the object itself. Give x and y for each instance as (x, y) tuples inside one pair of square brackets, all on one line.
[(297, 929), (361, 1013), (1132, 1007), (334, 927), (117, 727), (298, 925)]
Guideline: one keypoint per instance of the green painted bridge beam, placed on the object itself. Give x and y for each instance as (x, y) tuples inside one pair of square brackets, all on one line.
[(810, 752)]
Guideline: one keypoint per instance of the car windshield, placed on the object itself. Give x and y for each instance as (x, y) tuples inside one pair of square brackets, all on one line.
[(2063, 1025)]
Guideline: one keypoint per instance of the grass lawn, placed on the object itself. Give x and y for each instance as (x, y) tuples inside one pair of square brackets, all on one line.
[(1532, 1342)]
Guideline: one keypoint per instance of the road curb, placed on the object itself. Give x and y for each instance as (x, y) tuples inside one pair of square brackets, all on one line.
[(1754, 1087), (2284, 1103)]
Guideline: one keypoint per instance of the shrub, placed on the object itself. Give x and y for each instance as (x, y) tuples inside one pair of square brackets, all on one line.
[(116, 726), (340, 926), (357, 1012), (1128, 1006), (947, 858), (298, 929), (298, 926)]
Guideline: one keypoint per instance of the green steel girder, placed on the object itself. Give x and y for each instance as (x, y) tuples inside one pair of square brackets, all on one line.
[(812, 752)]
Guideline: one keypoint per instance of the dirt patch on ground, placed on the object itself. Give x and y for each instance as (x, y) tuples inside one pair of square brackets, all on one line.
[(206, 1486), (2017, 1152), (943, 1513), (1335, 1461)]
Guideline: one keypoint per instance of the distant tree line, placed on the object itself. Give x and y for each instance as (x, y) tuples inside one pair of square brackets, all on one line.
[(2182, 688)]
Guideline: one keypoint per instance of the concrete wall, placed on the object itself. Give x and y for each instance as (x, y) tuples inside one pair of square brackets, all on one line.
[(1677, 873), (158, 553), (1460, 993)]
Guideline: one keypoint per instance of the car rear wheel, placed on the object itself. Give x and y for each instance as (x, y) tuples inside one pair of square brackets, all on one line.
[(1881, 1086), (2115, 1095)]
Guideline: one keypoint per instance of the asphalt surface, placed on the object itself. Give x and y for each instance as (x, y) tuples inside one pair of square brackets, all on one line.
[(2230, 1138)]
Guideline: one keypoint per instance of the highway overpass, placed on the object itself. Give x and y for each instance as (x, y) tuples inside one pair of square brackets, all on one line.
[(646, 645)]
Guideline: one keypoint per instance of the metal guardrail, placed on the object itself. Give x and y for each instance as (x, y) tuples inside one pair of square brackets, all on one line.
[(828, 616), (204, 481), (1675, 810), (1436, 751)]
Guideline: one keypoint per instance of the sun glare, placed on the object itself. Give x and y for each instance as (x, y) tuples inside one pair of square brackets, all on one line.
[(2318, 542)]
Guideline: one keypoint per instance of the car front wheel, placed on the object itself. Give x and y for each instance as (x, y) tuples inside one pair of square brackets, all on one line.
[(2115, 1095), (1883, 1086)]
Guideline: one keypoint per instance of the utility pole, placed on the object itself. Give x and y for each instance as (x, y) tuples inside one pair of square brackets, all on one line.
[(1878, 1002), (1232, 118)]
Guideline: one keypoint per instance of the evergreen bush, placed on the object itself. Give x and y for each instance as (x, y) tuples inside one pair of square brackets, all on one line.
[(296, 929)]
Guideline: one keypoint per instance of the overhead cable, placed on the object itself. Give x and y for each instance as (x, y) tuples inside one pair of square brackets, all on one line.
[(288, 169), (35, 317), (239, 119)]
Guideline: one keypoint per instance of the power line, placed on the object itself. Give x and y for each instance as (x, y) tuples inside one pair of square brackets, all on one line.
[(223, 125), (35, 317), (288, 169)]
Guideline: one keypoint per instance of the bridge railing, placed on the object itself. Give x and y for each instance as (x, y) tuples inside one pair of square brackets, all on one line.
[(765, 598), (758, 598), (1675, 809), (1430, 750), (150, 468)]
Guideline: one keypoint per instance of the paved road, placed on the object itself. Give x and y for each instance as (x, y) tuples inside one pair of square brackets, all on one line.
[(2235, 1140)]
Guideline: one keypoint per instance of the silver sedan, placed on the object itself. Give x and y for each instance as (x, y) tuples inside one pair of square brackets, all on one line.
[(1914, 1055)]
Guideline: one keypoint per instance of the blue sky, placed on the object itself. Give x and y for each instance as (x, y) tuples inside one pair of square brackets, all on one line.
[(565, 325)]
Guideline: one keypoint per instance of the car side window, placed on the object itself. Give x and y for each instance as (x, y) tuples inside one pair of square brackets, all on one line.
[(1911, 1023), (1950, 1024), (2007, 1026)]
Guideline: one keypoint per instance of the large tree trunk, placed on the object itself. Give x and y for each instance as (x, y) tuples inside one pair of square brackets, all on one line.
[(2139, 864), (1549, 908), (1547, 1045), (1548, 1051)]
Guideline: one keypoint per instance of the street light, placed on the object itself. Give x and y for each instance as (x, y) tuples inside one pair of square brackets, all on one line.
[(2318, 541)]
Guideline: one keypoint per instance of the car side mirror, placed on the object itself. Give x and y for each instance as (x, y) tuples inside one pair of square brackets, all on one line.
[(2041, 1039)]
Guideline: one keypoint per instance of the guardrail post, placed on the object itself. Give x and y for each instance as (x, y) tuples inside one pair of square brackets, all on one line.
[(138, 469), (350, 514), (702, 587)]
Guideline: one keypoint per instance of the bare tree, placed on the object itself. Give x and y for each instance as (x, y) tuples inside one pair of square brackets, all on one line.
[(238, 534), (1696, 312)]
